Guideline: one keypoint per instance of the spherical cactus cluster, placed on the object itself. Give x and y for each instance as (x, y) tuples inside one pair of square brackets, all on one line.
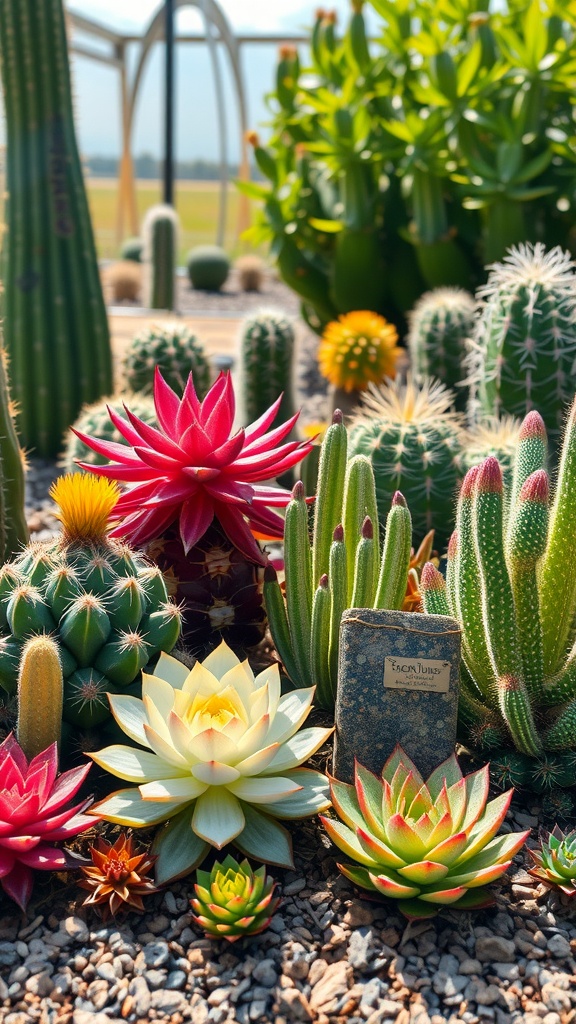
[(414, 442), (95, 421), (440, 323), (524, 347), (208, 267), (267, 353), (357, 349), (105, 605), (175, 350)]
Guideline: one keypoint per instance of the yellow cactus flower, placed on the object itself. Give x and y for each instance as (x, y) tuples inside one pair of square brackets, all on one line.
[(85, 503), (357, 349)]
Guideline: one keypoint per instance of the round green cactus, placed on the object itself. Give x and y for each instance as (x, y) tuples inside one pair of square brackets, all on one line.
[(414, 442), (208, 267), (106, 605), (440, 323), (94, 420), (175, 350), (523, 351)]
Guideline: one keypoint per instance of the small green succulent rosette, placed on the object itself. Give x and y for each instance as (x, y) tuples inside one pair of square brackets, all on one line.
[(555, 861), (232, 900), (425, 844)]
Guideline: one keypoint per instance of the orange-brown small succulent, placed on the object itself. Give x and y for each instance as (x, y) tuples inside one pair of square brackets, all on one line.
[(118, 877)]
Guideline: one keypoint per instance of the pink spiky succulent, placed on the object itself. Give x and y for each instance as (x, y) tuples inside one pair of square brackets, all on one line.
[(193, 468), (33, 816)]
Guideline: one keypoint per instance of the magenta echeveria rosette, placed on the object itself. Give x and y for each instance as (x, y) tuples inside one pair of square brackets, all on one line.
[(193, 469), (34, 816)]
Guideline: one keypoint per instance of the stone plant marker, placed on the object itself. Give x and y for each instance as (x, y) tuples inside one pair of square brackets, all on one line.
[(397, 683)]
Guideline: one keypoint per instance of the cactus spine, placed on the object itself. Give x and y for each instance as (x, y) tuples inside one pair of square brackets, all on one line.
[(413, 441), (160, 237), (40, 695), (55, 323), (523, 351), (439, 325), (13, 528), (267, 356), (514, 591), (322, 579)]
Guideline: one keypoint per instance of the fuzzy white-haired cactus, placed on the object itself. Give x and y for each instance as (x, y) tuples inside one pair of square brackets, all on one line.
[(523, 354)]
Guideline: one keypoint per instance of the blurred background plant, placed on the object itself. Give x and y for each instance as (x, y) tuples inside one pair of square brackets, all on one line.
[(410, 160)]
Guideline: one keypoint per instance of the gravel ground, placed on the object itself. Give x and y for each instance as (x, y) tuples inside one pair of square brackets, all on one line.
[(327, 957)]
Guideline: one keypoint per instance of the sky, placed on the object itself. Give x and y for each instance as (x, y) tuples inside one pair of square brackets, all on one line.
[(97, 90)]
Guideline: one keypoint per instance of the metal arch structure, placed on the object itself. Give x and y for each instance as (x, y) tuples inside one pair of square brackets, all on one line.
[(115, 56), (214, 18)]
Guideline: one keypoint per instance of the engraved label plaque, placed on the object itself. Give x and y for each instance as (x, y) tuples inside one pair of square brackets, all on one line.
[(398, 680)]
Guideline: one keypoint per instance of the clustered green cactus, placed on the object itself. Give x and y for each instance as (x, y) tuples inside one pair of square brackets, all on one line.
[(510, 581), (94, 420), (440, 323), (524, 347), (159, 254), (344, 567), (175, 350), (267, 356), (105, 605), (414, 440)]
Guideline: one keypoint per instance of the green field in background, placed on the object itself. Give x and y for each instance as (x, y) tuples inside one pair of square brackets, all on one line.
[(196, 202)]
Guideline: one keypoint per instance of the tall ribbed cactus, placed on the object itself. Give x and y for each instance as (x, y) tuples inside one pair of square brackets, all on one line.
[(160, 237), (267, 356), (344, 566), (510, 581), (13, 528), (523, 352), (414, 442), (40, 695), (54, 316)]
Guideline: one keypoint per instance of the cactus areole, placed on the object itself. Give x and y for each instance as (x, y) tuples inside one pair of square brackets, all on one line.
[(54, 316)]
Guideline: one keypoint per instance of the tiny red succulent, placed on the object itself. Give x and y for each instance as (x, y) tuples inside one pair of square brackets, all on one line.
[(118, 877), (33, 816), (193, 469)]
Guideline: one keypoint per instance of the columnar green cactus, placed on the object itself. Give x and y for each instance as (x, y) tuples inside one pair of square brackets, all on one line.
[(105, 605), (40, 695), (94, 421), (175, 350), (510, 582), (413, 440), (13, 528), (439, 325), (342, 568), (159, 254), (523, 351), (267, 357), (53, 312)]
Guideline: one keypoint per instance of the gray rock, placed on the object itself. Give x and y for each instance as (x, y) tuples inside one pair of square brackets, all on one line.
[(8, 954), (257, 1009), (445, 984), (156, 954), (140, 992), (107, 972), (155, 979), (494, 949), (508, 972), (360, 948), (469, 966), (559, 947), (167, 1002), (76, 929), (176, 980), (265, 973), (39, 984)]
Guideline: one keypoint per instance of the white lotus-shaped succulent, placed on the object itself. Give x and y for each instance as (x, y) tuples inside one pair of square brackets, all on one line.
[(221, 762)]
